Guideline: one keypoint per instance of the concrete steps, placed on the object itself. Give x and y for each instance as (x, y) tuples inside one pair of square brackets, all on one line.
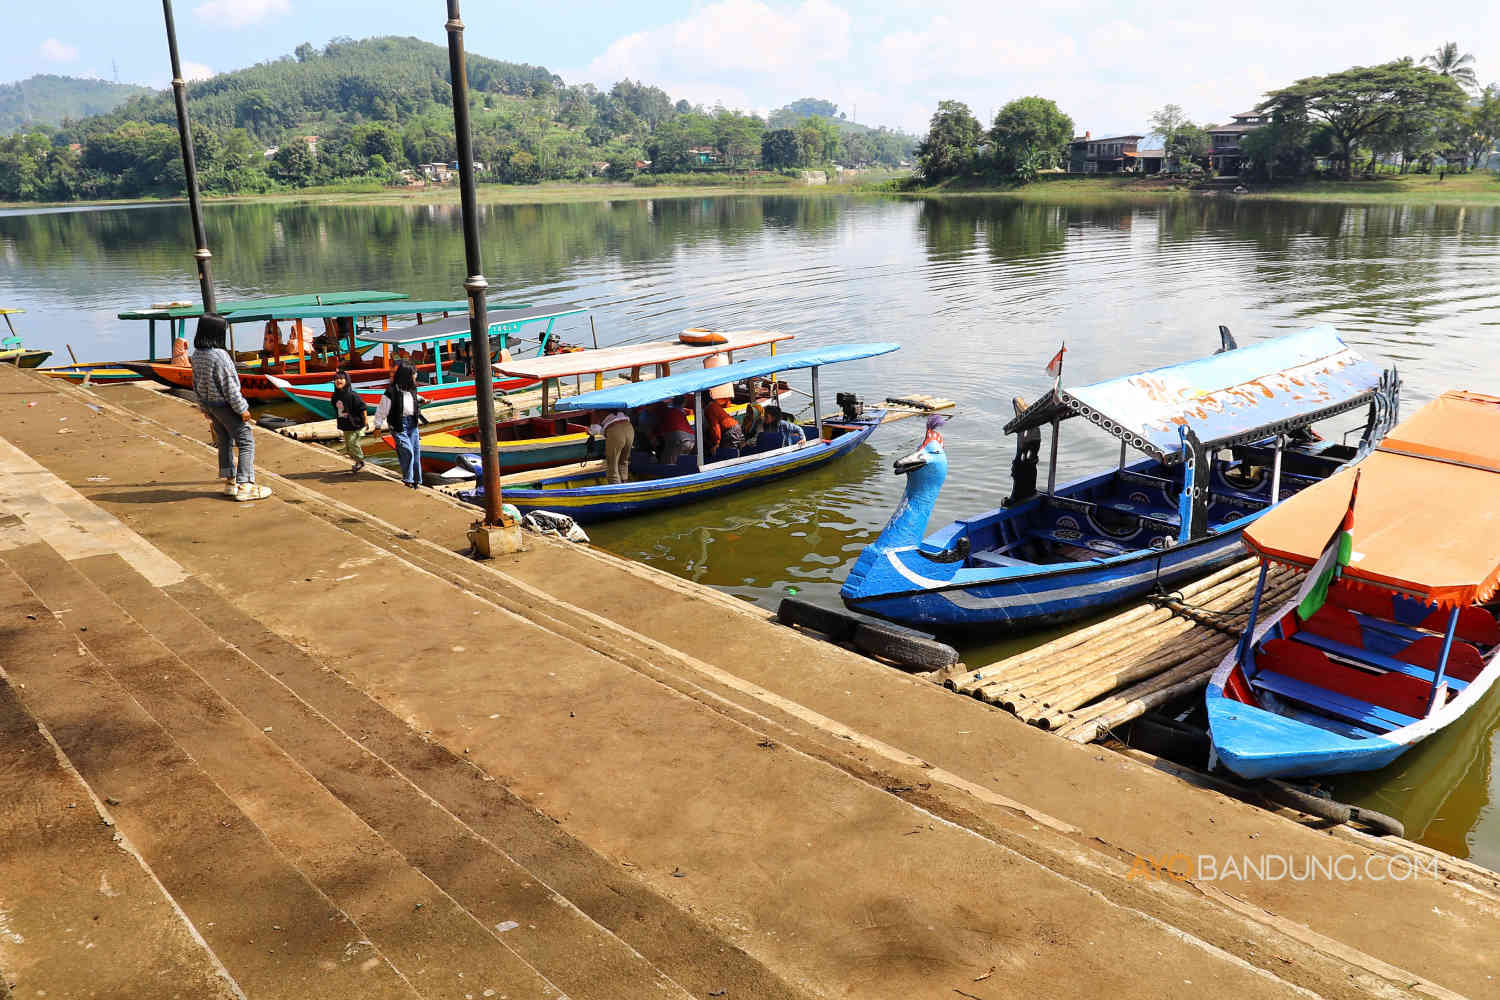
[(422, 890)]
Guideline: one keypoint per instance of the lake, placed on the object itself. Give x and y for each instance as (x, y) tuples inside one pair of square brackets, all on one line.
[(979, 292)]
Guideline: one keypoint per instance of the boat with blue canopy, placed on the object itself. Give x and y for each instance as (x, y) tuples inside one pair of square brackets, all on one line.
[(589, 497), (439, 351), (1225, 438), (1392, 636)]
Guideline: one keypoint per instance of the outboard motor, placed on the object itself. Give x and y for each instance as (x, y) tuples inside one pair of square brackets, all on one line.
[(850, 404)]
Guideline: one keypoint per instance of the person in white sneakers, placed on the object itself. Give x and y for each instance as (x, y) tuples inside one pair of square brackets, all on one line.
[(217, 386)]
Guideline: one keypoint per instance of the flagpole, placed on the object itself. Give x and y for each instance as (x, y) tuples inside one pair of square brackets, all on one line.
[(189, 165)]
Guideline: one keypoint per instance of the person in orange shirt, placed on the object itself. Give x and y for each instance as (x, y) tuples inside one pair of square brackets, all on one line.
[(719, 428)]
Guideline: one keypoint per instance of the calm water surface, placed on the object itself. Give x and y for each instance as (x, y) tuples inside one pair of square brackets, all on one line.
[(978, 291)]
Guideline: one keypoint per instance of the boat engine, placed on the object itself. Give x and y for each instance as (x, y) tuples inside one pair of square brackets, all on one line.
[(850, 404)]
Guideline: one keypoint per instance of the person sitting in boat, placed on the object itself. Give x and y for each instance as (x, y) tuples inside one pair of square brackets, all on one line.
[(791, 433), (648, 427), (459, 364), (271, 348), (719, 428), (180, 357), (752, 422), (676, 432)]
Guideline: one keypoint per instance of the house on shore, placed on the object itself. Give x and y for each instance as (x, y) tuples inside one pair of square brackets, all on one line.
[(1225, 139), (1113, 155)]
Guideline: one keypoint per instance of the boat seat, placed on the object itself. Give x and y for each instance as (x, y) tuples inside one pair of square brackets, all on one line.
[(724, 453), (1308, 675), (769, 441), (1371, 716), (1391, 664), (1146, 512), (1103, 546), (1146, 479), (995, 560)]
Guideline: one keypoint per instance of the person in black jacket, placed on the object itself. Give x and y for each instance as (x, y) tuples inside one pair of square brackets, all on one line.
[(349, 410)]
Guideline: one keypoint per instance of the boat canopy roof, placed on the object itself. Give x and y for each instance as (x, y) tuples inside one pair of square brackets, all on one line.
[(610, 359), (457, 327), (1427, 516), (357, 310), (271, 302), (644, 393), (1234, 397)]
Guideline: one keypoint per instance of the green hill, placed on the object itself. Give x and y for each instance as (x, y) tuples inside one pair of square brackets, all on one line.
[(48, 99), (379, 110)]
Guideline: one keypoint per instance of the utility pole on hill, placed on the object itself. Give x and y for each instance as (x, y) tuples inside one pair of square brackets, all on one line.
[(190, 166)]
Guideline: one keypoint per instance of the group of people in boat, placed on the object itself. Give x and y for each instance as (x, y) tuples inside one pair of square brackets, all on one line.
[(665, 430), (337, 331)]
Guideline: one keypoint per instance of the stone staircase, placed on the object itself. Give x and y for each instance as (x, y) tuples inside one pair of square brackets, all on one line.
[(191, 825)]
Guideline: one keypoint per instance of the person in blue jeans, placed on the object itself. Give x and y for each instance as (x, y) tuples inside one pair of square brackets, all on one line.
[(217, 386), (401, 410)]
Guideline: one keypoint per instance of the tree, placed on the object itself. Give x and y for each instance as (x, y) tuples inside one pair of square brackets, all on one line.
[(1181, 139), (1446, 61), (952, 142), (819, 139), (305, 52), (293, 164), (1029, 134), (1363, 101), (779, 149), (1483, 125)]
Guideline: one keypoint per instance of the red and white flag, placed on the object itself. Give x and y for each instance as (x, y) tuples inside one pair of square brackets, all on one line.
[(1054, 367)]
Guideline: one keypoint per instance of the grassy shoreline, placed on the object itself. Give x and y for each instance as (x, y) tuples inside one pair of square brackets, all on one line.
[(1472, 189), (1480, 188)]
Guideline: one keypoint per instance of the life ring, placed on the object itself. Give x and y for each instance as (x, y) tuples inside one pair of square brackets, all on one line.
[(697, 336)]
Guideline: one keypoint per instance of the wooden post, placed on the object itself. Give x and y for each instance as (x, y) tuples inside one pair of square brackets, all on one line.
[(1276, 471), (301, 350), (817, 406), (1052, 461), (152, 334), (698, 426), (1442, 667)]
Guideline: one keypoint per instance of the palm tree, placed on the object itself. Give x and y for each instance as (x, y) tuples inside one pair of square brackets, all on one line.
[(1447, 62)]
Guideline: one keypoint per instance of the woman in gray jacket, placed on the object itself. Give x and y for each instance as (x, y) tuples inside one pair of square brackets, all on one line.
[(217, 385)]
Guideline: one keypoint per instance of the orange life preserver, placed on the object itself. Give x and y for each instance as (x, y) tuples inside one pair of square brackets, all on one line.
[(699, 336)]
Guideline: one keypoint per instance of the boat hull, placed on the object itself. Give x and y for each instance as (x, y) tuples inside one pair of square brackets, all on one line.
[(24, 357), (599, 501), (96, 373), (317, 397), (1255, 742)]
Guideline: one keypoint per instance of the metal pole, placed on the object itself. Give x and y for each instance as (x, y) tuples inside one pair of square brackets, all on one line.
[(817, 409), (190, 165), (475, 285), (1276, 471)]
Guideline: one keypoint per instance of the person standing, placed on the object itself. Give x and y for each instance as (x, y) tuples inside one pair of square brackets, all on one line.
[(401, 409), (619, 439), (217, 386), (349, 411)]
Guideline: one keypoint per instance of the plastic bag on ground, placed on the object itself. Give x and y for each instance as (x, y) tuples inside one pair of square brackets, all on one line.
[(545, 522)]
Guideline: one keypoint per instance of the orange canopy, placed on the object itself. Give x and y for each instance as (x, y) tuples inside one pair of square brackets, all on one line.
[(1427, 518)]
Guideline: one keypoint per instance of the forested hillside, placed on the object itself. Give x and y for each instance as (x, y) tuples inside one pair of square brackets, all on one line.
[(377, 110), (47, 100)]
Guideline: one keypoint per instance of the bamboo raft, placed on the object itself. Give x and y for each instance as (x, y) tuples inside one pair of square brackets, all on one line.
[(1085, 683)]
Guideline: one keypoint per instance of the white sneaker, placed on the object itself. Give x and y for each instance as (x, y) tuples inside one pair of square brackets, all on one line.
[(231, 488), (250, 491)]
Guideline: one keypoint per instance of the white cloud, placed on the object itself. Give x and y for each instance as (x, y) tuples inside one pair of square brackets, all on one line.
[(195, 70), (239, 13), (729, 50), (57, 52)]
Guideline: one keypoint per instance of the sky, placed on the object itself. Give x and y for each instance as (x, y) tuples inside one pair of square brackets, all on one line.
[(1107, 64)]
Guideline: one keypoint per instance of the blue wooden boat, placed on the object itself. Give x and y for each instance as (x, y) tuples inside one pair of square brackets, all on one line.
[(1225, 437), (652, 486), (1405, 643)]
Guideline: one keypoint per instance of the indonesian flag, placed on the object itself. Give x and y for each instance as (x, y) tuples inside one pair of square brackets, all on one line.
[(1330, 564), (1054, 367)]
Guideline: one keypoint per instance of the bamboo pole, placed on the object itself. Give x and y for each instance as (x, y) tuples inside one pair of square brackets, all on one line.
[(1045, 677), (1203, 661), (1083, 635), (1080, 684), (1090, 730)]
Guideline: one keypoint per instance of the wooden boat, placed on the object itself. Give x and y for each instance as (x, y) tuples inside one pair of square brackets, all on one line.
[(13, 352), (304, 368), (176, 315), (588, 497), (1226, 437), (1405, 641), (442, 381), (552, 439)]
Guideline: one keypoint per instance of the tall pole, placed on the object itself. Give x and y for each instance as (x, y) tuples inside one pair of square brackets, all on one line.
[(190, 166), (475, 284)]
